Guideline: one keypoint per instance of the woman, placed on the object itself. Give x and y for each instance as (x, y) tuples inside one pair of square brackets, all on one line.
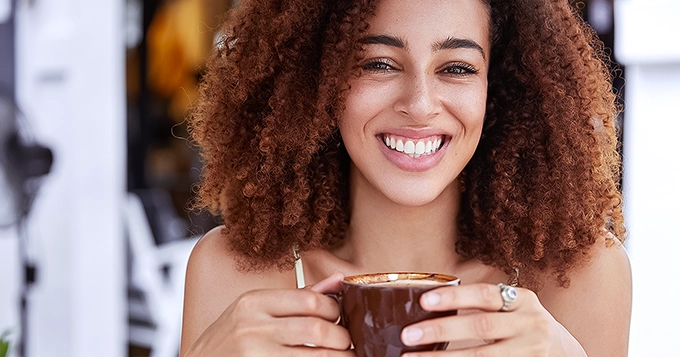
[(468, 137)]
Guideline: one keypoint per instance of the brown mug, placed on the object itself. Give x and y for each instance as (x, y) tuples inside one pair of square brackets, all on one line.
[(376, 307)]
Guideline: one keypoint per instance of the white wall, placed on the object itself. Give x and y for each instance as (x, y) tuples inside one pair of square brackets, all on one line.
[(70, 83), (647, 44)]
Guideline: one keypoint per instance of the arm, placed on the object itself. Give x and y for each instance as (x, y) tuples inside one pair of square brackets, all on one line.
[(207, 288), (231, 313), (590, 318), (596, 308)]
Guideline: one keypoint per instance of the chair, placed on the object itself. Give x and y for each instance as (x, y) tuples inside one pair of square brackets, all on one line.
[(156, 283)]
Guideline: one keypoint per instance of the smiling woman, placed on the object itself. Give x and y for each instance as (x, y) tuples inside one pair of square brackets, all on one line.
[(465, 137), (422, 78)]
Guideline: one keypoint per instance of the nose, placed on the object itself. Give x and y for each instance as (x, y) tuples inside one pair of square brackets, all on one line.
[(418, 98)]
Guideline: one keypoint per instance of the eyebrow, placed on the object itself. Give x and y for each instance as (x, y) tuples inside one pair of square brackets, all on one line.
[(454, 43), (448, 44), (384, 40)]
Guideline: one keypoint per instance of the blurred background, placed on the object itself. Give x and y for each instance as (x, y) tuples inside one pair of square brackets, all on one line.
[(97, 173)]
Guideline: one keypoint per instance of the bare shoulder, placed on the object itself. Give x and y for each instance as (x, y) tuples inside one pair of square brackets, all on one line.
[(596, 307), (213, 282)]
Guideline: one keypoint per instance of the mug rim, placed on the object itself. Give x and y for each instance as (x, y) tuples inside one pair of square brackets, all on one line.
[(373, 278)]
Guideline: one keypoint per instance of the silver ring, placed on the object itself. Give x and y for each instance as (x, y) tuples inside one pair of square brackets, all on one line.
[(509, 295)]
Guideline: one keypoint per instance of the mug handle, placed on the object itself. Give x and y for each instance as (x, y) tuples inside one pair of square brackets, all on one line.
[(338, 298)]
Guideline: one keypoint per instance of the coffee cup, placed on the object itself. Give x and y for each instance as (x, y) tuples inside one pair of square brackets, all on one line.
[(375, 308)]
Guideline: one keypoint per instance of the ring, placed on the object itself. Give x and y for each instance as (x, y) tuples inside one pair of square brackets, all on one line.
[(509, 295)]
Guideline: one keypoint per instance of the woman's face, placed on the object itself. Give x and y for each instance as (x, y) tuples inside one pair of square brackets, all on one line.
[(414, 114)]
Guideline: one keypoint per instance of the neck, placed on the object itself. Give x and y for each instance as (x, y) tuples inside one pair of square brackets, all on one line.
[(386, 236)]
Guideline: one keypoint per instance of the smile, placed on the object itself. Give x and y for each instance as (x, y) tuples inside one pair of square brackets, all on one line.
[(414, 148)]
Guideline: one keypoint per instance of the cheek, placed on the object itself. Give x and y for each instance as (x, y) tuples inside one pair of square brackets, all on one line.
[(475, 110), (360, 100), (359, 107), (350, 128), (346, 123)]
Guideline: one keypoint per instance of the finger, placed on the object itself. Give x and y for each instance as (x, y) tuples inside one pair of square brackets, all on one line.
[(473, 296), (304, 351), (499, 349), (285, 303), (271, 349), (478, 326), (332, 284), (299, 331)]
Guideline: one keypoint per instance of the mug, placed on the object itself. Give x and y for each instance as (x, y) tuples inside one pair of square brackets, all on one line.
[(376, 307)]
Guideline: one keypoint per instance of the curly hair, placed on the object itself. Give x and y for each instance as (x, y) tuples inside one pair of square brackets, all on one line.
[(540, 190)]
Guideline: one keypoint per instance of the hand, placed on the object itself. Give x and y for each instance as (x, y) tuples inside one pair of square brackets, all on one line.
[(526, 329), (278, 323)]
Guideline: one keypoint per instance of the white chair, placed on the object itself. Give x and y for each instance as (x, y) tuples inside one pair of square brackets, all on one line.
[(157, 271)]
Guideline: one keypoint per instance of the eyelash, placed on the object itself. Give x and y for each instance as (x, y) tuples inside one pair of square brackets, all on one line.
[(459, 69), (453, 69), (378, 65)]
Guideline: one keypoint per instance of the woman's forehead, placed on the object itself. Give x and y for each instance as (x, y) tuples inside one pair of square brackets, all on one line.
[(432, 21)]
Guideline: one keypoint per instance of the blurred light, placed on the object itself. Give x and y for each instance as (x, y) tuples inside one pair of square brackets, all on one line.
[(133, 23), (600, 15), (5, 10)]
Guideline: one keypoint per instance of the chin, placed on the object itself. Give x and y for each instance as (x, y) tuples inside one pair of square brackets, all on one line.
[(414, 197)]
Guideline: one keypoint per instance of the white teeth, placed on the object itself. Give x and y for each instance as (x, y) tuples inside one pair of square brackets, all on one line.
[(411, 148), (420, 148)]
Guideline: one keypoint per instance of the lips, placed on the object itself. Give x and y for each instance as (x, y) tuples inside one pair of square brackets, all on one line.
[(411, 147)]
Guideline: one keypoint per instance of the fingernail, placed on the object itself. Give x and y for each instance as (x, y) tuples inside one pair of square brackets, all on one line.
[(412, 334), (431, 299)]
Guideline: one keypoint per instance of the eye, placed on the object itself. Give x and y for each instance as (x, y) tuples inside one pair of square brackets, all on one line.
[(459, 69), (378, 65)]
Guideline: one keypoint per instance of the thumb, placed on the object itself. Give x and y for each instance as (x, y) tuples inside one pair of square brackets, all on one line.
[(332, 284)]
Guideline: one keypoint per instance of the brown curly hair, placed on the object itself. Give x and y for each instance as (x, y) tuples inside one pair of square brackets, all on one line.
[(541, 188)]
